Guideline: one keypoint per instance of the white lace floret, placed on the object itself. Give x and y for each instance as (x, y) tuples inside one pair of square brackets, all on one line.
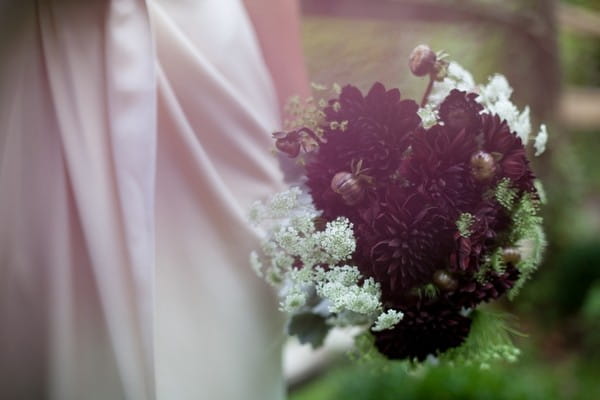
[(540, 140)]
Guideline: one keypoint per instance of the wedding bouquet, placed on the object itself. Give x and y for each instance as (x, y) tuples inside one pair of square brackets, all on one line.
[(409, 216)]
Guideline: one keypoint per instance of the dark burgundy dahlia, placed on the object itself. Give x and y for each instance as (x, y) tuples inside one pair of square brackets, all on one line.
[(489, 219), (438, 168), (381, 107), (460, 111), (423, 331), (404, 241), (438, 324), (378, 133), (508, 151), (472, 292)]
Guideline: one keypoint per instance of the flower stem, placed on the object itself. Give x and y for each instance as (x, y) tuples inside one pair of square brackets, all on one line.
[(310, 133), (427, 91)]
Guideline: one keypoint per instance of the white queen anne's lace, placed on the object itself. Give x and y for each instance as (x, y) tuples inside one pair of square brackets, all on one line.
[(337, 240), (540, 140), (429, 116), (294, 256), (494, 97), (496, 89), (387, 320), (457, 78)]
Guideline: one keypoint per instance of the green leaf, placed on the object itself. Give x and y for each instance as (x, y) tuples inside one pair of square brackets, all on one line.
[(308, 328)]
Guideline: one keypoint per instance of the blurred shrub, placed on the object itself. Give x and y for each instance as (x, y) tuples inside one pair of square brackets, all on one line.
[(591, 323), (591, 4), (439, 383), (581, 60), (579, 270)]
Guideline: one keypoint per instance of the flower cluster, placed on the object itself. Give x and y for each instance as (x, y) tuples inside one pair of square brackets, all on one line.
[(425, 212), (307, 258)]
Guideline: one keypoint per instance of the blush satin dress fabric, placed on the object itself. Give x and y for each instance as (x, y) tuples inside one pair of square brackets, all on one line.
[(134, 135)]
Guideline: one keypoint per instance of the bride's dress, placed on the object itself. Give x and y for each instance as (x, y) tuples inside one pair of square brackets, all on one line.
[(133, 137)]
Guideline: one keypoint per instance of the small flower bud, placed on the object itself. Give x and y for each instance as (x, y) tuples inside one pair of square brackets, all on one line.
[(422, 60), (511, 255), (349, 186), (444, 280), (483, 166)]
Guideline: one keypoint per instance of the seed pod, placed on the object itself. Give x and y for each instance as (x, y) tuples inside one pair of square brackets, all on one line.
[(511, 255), (443, 280), (422, 60), (349, 186), (483, 166)]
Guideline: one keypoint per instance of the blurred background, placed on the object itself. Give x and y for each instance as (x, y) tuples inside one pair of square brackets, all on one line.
[(550, 52)]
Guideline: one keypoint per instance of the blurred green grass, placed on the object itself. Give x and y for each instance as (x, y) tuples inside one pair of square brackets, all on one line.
[(500, 383)]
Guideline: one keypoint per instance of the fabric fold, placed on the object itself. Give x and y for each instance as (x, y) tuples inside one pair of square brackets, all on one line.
[(133, 137)]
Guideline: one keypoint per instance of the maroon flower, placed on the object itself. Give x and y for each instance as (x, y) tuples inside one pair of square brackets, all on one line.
[(403, 242), (380, 106), (460, 111), (489, 219), (438, 168), (422, 331), (507, 147), (472, 292), (378, 133)]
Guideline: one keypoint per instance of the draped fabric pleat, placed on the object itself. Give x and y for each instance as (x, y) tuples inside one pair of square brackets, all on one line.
[(134, 135)]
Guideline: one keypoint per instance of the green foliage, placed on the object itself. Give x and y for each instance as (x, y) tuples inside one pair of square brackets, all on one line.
[(365, 353), (591, 322), (488, 342), (534, 245), (505, 194), (433, 383), (577, 269), (590, 4), (591, 307), (525, 218), (581, 56), (464, 223), (526, 234), (308, 328), (429, 291), (495, 263)]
